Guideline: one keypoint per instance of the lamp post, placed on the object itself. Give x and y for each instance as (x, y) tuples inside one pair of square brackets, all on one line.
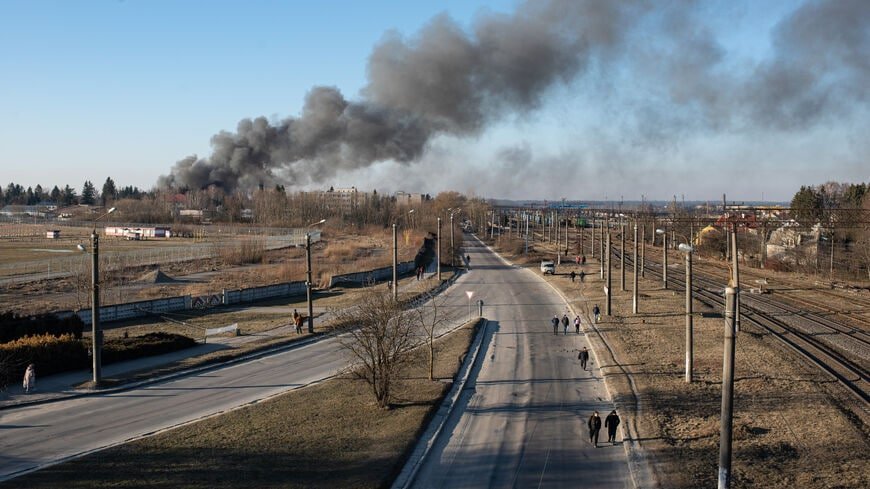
[(396, 259), (664, 256), (438, 259), (452, 253), (308, 278), (725, 427), (634, 291), (688, 249), (96, 332), (609, 257), (621, 254)]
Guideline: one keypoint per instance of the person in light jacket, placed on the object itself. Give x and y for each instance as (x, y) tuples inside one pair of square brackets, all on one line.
[(29, 379)]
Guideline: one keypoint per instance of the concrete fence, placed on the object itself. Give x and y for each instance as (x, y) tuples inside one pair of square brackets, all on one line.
[(131, 310)]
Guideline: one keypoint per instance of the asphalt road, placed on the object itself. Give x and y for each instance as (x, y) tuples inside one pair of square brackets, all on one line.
[(521, 421)]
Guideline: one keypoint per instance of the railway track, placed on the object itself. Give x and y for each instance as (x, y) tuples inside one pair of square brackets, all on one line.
[(831, 346)]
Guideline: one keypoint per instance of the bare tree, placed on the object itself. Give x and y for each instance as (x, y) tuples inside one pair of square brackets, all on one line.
[(380, 340), (432, 314)]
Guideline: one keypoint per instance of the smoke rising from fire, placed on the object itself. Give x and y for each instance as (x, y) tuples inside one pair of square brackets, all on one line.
[(456, 81)]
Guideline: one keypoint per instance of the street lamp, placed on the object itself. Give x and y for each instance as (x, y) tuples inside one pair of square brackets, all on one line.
[(96, 332), (664, 256), (634, 291), (396, 258), (452, 253), (688, 249), (438, 257), (308, 275)]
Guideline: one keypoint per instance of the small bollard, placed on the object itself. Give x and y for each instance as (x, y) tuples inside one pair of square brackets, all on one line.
[(480, 308)]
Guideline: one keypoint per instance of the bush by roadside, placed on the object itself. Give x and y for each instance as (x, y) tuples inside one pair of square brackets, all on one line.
[(55, 354)]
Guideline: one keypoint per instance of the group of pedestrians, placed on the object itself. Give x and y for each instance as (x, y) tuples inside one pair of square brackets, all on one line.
[(564, 322), (594, 424)]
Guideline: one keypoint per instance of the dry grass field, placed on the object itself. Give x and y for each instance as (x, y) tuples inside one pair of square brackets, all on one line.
[(341, 251)]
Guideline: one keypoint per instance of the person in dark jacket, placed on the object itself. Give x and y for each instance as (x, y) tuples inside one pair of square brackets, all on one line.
[(565, 323), (594, 425), (555, 323), (597, 313), (583, 357), (611, 422), (572, 275)]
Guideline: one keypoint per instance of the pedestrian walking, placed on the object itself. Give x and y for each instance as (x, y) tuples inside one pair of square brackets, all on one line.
[(583, 260), (577, 324), (583, 357), (582, 276), (29, 383), (298, 321), (555, 323), (565, 324), (597, 313), (573, 274), (611, 422), (295, 315), (594, 425)]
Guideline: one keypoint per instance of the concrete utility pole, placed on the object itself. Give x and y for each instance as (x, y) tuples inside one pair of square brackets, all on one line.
[(665, 259), (642, 250), (593, 238), (96, 332), (621, 255), (725, 427), (735, 279), (395, 263), (558, 240), (308, 281), (690, 354), (609, 266), (452, 254), (566, 236), (601, 256), (438, 266), (634, 291)]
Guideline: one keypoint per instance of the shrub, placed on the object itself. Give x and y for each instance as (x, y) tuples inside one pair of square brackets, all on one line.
[(13, 326), (122, 349), (51, 354), (54, 354)]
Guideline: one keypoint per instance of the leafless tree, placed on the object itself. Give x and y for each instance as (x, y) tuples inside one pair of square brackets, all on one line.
[(429, 316), (379, 340)]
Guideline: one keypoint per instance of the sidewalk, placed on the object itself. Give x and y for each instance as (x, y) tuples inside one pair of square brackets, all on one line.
[(62, 386)]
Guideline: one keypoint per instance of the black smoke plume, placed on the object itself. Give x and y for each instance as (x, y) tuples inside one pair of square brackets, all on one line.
[(445, 80)]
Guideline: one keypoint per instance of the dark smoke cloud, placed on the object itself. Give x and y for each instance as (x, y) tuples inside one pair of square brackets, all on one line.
[(448, 80), (443, 81)]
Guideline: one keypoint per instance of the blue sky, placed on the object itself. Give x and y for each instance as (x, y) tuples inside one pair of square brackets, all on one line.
[(127, 88)]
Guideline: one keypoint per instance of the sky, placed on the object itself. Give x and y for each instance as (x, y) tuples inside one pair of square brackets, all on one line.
[(548, 99)]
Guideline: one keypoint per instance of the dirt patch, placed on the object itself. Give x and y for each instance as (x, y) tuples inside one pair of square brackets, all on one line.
[(792, 426), (324, 436)]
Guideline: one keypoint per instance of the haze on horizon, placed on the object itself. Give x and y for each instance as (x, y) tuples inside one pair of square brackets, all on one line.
[(519, 100)]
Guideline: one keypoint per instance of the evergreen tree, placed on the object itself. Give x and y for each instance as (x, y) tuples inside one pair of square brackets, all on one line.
[(68, 197), (89, 193), (109, 191), (55, 195), (40, 193), (807, 205)]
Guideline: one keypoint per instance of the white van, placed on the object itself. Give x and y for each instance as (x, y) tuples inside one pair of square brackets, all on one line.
[(547, 266)]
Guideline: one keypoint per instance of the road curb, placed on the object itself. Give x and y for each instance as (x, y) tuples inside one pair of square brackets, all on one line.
[(433, 431)]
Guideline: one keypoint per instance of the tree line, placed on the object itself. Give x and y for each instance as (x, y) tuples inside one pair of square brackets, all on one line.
[(16, 194)]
